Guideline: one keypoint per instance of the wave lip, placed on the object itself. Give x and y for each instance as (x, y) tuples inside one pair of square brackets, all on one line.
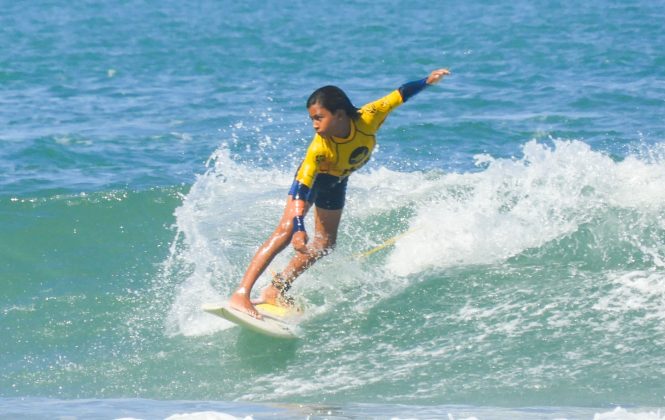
[(518, 204)]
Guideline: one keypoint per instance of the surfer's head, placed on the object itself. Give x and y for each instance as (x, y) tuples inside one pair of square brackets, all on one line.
[(333, 99), (331, 112)]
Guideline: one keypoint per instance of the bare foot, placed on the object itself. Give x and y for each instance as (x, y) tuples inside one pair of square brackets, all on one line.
[(270, 295), (241, 302)]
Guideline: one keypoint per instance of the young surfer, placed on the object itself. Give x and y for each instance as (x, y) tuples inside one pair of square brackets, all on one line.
[(343, 143)]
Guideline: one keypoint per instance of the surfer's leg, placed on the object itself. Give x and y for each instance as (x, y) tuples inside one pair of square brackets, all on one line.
[(275, 244), (326, 225)]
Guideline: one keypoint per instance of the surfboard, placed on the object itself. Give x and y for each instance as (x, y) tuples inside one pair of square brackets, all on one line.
[(275, 322)]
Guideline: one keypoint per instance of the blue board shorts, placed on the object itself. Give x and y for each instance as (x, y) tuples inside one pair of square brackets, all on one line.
[(328, 192)]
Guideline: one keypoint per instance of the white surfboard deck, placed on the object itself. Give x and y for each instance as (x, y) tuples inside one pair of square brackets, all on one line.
[(273, 324)]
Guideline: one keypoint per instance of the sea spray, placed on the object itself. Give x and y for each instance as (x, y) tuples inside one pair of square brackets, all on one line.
[(514, 205), (225, 209)]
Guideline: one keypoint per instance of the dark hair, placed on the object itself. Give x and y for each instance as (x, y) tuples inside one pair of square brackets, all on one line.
[(333, 98)]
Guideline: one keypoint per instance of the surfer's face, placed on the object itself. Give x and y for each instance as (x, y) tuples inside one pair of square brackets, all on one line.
[(326, 123)]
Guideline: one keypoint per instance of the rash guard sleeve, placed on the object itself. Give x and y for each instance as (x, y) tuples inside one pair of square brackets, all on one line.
[(309, 168), (374, 113), (408, 90)]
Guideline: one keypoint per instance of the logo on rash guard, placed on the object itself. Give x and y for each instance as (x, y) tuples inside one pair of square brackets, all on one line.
[(358, 155)]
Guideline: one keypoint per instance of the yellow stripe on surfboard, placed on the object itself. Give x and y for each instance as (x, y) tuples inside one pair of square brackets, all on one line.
[(274, 310)]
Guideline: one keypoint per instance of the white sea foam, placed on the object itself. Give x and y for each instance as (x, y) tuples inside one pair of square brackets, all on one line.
[(517, 204), (636, 292), (459, 413), (623, 414), (205, 415), (464, 413)]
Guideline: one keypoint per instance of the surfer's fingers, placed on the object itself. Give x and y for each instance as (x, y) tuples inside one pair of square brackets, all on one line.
[(436, 76)]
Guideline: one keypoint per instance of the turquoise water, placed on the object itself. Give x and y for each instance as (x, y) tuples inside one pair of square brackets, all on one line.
[(146, 149)]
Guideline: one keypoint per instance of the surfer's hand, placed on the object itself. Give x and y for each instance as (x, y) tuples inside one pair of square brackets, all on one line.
[(435, 76), (299, 241)]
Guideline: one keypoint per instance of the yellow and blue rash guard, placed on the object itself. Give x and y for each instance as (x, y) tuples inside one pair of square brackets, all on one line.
[(329, 161)]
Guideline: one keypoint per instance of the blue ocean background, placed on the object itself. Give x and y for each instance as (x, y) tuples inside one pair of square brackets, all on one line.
[(146, 149)]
